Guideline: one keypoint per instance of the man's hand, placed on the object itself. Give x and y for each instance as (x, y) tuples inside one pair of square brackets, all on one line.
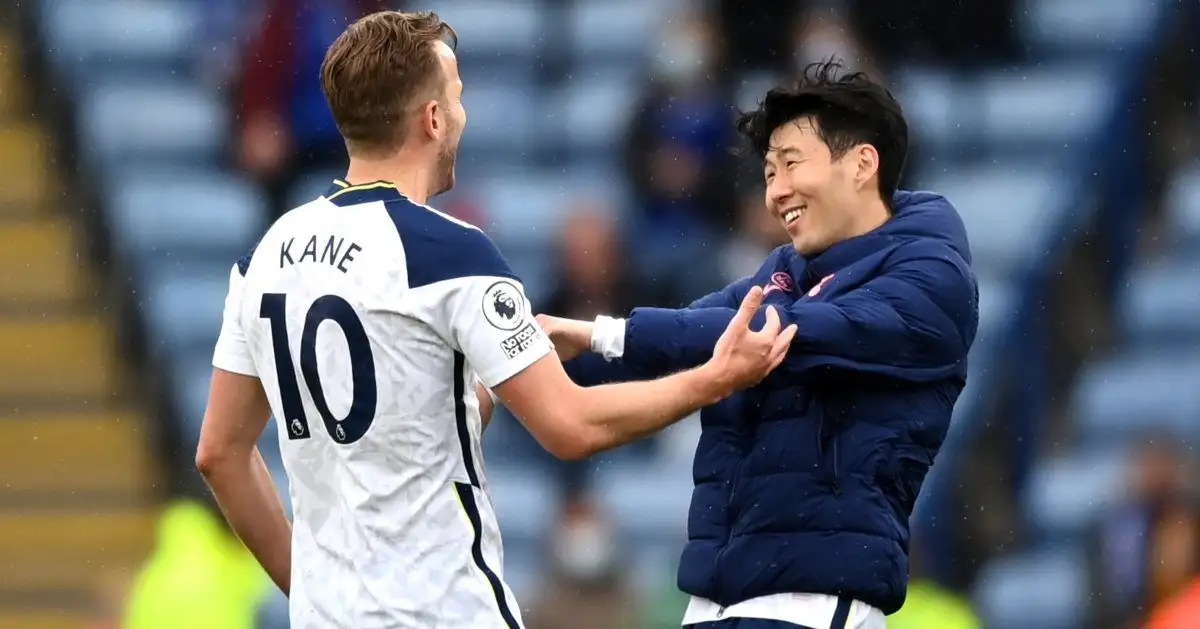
[(571, 337), (742, 357)]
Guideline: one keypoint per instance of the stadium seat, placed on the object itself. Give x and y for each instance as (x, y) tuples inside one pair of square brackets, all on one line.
[(934, 107), (312, 185), (1084, 27), (490, 30), (527, 209), (97, 39), (1003, 205), (630, 28), (590, 114), (149, 122), (1049, 108), (650, 499), (1160, 305), (1183, 208), (160, 216), (500, 119), (1043, 589), (182, 308), (525, 500), (1067, 494), (190, 376), (1134, 394)]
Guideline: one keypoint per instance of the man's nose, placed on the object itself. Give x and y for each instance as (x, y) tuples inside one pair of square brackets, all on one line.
[(778, 191)]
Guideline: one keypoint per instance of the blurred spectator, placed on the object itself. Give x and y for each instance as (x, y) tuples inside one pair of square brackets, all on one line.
[(593, 279), (822, 33), (1147, 549), (677, 157), (929, 605), (286, 127), (587, 585), (199, 576), (954, 32), (756, 42)]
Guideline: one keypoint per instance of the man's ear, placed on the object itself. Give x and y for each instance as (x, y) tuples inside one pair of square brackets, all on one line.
[(432, 124), (866, 160)]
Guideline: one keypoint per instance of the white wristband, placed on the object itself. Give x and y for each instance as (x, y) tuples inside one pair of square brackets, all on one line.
[(608, 337)]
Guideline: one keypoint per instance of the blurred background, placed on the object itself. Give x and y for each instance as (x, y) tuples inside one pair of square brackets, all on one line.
[(145, 144)]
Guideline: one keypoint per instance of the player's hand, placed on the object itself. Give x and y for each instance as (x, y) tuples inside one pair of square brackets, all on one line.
[(571, 337), (742, 357)]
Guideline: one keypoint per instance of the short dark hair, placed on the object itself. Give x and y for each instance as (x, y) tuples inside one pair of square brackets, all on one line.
[(375, 70), (848, 108)]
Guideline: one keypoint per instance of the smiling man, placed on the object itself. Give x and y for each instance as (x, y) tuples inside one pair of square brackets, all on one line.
[(804, 484)]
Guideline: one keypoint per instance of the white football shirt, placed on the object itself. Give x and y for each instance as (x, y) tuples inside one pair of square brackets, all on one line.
[(367, 317)]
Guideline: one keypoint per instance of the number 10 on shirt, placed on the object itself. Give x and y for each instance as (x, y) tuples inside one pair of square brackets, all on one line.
[(365, 398)]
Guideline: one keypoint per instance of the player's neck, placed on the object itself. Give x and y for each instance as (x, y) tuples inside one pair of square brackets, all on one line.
[(410, 176), (873, 215)]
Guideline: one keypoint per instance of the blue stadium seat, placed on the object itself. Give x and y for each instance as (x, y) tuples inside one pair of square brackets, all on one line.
[(1003, 205), (935, 106), (150, 122), (1183, 208), (650, 499), (182, 308), (1043, 589), (1085, 27), (1067, 494), (525, 500), (490, 30), (500, 119), (1047, 108), (525, 210), (88, 40), (629, 33), (590, 114), (159, 216), (312, 185), (1160, 305), (190, 376), (1134, 394)]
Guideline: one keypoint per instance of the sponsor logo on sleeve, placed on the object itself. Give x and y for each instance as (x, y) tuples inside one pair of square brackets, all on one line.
[(779, 281), (521, 341), (504, 306)]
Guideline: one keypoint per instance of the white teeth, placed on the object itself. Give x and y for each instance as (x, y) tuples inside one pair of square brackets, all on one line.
[(791, 215)]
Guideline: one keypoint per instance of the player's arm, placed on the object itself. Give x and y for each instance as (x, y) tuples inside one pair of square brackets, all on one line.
[(466, 292), (574, 422), (228, 456), (603, 363), (913, 322)]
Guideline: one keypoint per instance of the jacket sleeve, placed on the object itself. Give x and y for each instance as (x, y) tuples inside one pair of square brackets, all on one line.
[(914, 322), (592, 369)]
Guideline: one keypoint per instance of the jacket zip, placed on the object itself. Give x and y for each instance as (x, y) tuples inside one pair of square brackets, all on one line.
[(834, 480), (733, 484)]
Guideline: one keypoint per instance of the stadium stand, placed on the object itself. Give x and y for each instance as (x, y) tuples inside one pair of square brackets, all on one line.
[(552, 96), (76, 465)]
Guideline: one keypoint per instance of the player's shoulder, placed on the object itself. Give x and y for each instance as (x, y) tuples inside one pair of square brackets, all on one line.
[(439, 247)]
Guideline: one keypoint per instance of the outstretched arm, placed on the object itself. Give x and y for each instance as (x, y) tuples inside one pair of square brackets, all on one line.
[(594, 364), (914, 322)]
